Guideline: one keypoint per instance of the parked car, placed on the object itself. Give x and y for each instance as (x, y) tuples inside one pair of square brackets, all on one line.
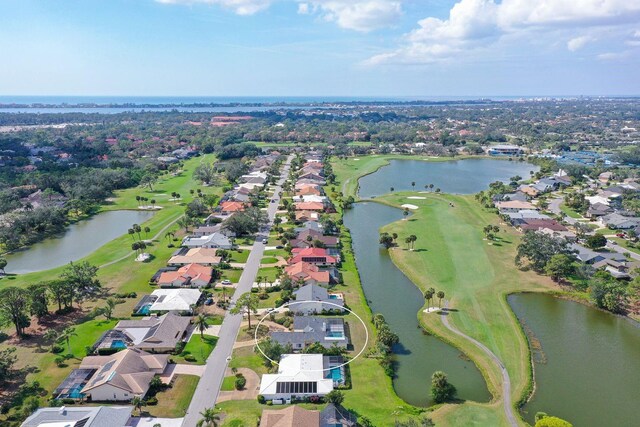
[(208, 301), (265, 241), (226, 282), (621, 235)]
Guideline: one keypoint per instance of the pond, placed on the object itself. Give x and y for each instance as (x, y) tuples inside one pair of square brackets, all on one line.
[(455, 177), (80, 239), (587, 369), (392, 294)]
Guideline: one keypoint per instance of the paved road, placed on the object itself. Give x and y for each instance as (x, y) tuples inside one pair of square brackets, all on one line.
[(506, 381), (554, 207), (622, 250), (209, 386)]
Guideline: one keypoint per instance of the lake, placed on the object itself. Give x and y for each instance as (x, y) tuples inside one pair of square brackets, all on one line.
[(455, 177), (588, 369), (391, 293), (80, 239)]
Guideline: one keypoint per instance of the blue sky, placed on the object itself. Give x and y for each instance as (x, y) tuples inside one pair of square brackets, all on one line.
[(320, 47)]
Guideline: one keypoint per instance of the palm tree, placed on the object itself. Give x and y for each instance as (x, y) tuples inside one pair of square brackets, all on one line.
[(169, 235), (392, 189), (430, 185), (3, 264), (405, 212), (413, 238), (413, 184), (138, 198), (146, 232), (407, 240), (137, 403), (137, 229), (440, 297), (209, 418), (107, 310), (135, 246), (131, 232), (153, 202), (201, 322), (66, 335), (52, 336), (428, 294)]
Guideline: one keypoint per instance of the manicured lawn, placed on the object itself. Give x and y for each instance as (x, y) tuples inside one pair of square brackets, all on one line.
[(569, 212), (276, 252), (269, 274), (268, 260), (239, 255), (232, 274), (607, 231), (199, 347), (269, 302), (228, 383), (174, 401), (245, 357)]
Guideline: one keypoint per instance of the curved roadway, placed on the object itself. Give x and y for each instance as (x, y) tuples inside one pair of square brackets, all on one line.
[(506, 381)]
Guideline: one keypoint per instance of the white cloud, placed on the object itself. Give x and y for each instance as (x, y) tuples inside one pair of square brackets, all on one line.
[(303, 8), (473, 23), (358, 15), (578, 43), (241, 7), (613, 56)]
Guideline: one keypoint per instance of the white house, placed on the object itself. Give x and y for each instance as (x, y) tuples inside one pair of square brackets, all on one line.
[(174, 299), (299, 375), (215, 240)]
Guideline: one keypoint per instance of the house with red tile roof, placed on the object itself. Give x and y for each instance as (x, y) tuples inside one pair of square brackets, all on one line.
[(316, 256), (231, 207), (307, 272), (190, 275), (309, 206)]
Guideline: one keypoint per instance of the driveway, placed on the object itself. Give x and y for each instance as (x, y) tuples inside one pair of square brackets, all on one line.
[(250, 391), (150, 422), (208, 388), (180, 369)]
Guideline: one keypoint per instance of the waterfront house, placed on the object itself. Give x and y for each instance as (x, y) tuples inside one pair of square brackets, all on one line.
[(326, 331), (317, 256), (313, 299), (303, 375), (307, 273)]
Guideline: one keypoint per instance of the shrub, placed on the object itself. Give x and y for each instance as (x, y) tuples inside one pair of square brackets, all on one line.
[(152, 401), (261, 399), (132, 295), (56, 349), (190, 358), (241, 381), (68, 401), (59, 361), (269, 402), (107, 351)]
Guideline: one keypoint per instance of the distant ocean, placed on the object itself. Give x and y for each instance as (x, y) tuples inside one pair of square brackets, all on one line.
[(222, 104)]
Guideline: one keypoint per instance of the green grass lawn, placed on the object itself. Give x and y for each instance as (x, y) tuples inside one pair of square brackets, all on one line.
[(199, 347), (232, 274), (276, 252), (607, 231), (268, 274), (174, 401), (268, 260), (569, 212), (239, 255), (269, 302), (228, 383)]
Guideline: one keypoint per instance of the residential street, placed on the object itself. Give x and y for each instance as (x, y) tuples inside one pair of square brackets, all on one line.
[(209, 386)]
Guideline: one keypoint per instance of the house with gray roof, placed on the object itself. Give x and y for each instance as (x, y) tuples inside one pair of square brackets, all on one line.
[(336, 416), (312, 299), (156, 334), (83, 416), (619, 222), (307, 330)]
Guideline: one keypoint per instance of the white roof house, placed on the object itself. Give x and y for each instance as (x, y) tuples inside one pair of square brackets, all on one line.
[(175, 299), (215, 240), (298, 375)]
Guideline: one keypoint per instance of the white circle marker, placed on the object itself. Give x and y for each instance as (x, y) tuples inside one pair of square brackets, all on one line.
[(366, 332)]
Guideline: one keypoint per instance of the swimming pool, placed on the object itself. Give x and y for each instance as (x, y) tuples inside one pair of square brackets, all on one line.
[(74, 393), (118, 344), (335, 334), (336, 375), (145, 309)]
